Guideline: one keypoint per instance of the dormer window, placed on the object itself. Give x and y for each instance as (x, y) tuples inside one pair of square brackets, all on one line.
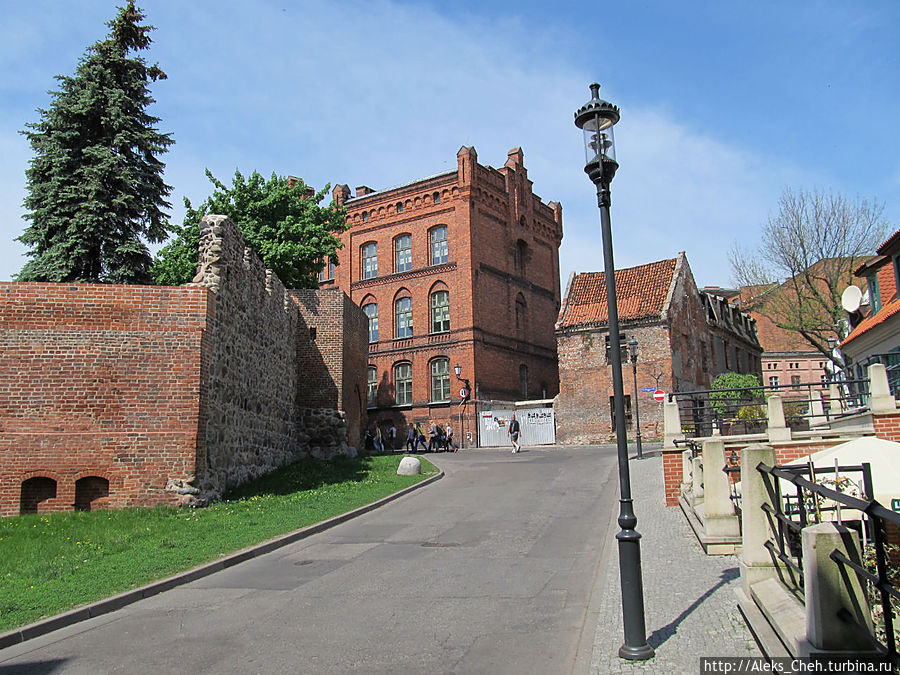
[(874, 294)]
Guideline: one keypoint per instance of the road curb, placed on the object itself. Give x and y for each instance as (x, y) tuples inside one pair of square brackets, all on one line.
[(107, 605)]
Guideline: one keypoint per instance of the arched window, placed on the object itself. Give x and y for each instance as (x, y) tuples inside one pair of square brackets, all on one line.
[(403, 312), (438, 245), (521, 316), (34, 491), (399, 207), (88, 490), (440, 312), (371, 311), (369, 258), (521, 256), (523, 380), (436, 197), (440, 379), (371, 386), (365, 216), (403, 253), (403, 383)]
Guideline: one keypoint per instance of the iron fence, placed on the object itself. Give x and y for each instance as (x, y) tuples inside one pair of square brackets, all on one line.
[(814, 502), (744, 411)]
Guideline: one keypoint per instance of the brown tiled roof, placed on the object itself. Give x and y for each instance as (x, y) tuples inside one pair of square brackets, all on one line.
[(641, 293)]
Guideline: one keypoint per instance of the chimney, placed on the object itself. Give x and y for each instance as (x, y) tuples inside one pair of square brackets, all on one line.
[(363, 190)]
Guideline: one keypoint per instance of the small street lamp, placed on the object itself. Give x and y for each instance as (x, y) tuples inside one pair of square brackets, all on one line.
[(468, 387), (596, 119), (632, 350)]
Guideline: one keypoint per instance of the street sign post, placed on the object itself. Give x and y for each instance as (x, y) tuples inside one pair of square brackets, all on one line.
[(659, 395)]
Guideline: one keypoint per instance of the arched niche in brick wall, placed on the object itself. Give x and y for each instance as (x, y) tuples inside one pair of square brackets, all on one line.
[(89, 490), (35, 490)]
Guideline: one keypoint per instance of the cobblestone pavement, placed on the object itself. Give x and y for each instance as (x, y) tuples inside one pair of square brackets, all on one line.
[(690, 605)]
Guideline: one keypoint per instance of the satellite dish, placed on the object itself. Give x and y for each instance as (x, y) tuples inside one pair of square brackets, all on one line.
[(851, 299)]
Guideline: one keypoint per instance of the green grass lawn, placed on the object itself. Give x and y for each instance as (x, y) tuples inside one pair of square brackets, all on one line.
[(51, 563)]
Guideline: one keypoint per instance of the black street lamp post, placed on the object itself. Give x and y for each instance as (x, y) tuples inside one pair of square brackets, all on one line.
[(596, 119), (632, 350)]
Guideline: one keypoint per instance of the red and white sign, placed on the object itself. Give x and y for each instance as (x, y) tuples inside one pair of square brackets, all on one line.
[(659, 395), (464, 393)]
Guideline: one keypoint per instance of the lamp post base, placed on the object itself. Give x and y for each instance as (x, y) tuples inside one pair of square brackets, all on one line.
[(641, 653)]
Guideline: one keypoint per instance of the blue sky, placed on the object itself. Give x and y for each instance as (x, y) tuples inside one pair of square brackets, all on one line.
[(723, 103)]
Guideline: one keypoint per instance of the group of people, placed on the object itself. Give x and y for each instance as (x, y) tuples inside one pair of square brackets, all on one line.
[(439, 438)]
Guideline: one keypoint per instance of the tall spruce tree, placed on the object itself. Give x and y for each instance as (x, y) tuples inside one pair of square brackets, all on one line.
[(95, 190)]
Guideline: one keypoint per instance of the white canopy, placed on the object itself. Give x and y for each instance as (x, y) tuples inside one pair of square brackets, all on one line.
[(883, 456)]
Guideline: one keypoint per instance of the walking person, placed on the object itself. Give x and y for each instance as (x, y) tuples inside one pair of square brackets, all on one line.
[(379, 440), (433, 437), (420, 438), (449, 432), (513, 432), (392, 437), (412, 438)]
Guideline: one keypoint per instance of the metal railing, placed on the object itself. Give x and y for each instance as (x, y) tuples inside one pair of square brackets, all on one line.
[(743, 411), (813, 502), (891, 362)]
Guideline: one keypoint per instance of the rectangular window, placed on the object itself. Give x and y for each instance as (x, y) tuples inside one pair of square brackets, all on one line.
[(612, 411), (403, 253), (404, 318), (403, 382), (440, 312), (371, 387), (874, 294), (795, 379), (438, 241), (440, 380), (773, 381), (370, 261), (371, 311)]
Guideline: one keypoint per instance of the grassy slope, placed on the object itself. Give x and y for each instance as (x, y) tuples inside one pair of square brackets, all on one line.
[(53, 562)]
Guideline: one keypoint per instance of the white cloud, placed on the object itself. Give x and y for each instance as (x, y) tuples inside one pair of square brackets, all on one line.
[(382, 93)]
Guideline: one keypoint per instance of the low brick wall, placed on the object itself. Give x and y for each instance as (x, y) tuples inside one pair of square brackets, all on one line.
[(100, 381)]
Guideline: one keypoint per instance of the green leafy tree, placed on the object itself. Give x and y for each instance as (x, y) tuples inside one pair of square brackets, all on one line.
[(95, 191), (734, 391), (281, 219)]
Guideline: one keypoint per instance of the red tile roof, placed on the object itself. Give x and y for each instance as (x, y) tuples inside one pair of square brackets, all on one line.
[(641, 293), (867, 324)]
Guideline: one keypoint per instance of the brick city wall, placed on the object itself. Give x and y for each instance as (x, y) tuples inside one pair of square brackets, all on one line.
[(101, 381), (138, 395)]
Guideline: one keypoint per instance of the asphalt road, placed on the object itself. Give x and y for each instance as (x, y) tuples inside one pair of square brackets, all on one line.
[(489, 570)]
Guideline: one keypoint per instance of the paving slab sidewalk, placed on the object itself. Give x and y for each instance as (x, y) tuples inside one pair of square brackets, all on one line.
[(690, 606)]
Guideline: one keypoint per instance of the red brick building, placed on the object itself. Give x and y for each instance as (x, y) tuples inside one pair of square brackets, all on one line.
[(685, 339), (458, 268)]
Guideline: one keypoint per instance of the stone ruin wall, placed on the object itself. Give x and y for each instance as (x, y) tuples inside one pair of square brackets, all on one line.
[(264, 409)]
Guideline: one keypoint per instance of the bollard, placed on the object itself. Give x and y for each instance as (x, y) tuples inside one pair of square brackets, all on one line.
[(720, 517), (755, 561), (776, 428), (817, 410), (830, 587), (880, 398), (671, 425)]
